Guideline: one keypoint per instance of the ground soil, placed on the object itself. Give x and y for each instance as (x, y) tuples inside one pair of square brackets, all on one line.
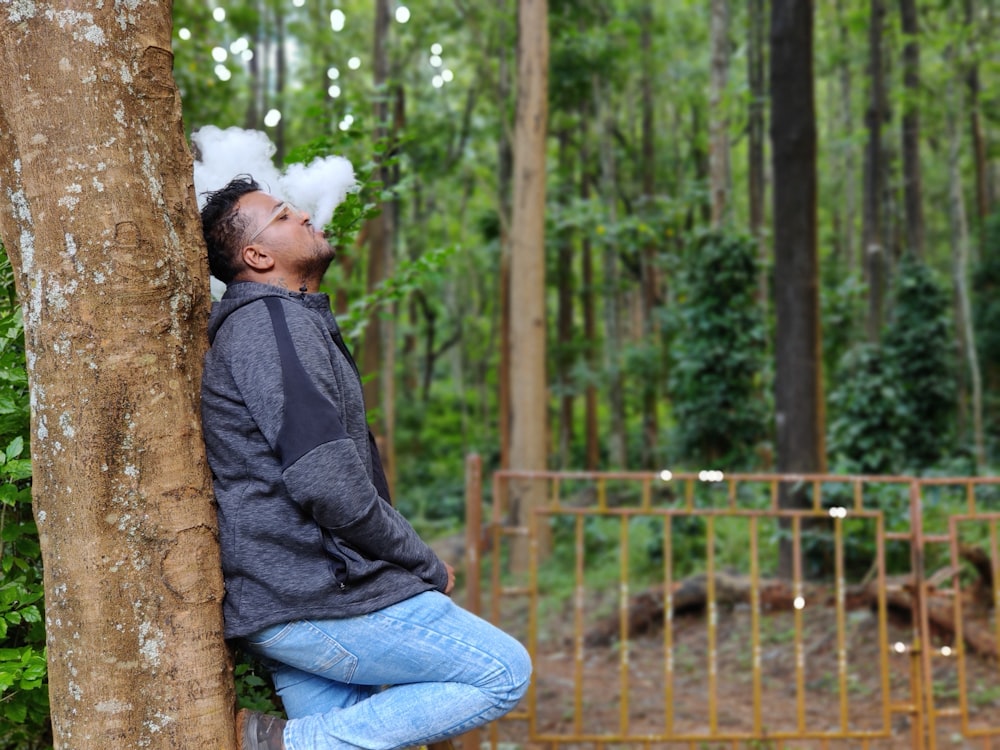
[(706, 688)]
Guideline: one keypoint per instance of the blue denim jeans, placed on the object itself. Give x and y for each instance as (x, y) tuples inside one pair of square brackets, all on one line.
[(415, 672)]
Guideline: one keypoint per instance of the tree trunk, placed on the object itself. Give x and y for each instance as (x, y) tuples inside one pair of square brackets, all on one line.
[(592, 449), (755, 132), (798, 374), (564, 316), (980, 159), (280, 74), (379, 346), (718, 152), (849, 211), (105, 241), (912, 180), (648, 264), (505, 168), (529, 402), (613, 328), (875, 259), (960, 267)]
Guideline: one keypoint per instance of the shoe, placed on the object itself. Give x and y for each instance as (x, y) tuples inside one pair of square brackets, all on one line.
[(257, 731)]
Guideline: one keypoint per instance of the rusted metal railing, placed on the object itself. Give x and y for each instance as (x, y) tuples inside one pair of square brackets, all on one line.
[(919, 689)]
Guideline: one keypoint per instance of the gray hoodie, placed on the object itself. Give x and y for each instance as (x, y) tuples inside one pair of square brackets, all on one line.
[(304, 529)]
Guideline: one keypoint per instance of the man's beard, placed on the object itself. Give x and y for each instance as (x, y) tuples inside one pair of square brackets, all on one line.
[(315, 266)]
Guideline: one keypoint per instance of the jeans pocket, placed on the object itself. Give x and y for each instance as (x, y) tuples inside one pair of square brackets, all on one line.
[(267, 636), (306, 646)]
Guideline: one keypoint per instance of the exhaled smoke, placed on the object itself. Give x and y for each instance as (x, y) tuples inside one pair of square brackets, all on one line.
[(318, 187)]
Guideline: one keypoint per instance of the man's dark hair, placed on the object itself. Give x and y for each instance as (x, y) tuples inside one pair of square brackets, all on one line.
[(224, 228)]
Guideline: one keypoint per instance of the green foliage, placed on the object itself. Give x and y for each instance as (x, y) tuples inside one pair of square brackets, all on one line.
[(254, 689), (717, 376), (918, 343), (986, 314), (892, 405), (865, 409), (23, 688)]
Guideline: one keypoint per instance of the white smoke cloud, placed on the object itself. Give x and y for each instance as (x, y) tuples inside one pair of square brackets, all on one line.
[(317, 188)]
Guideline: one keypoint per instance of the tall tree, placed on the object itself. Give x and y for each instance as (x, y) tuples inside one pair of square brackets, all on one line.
[(798, 370), (979, 160), (379, 353), (912, 177), (958, 217), (529, 396), (757, 83), (845, 213), (614, 328), (875, 114), (720, 178), (101, 225), (647, 261), (505, 168)]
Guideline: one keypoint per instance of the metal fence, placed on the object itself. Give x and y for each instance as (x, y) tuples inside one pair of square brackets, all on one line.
[(696, 609)]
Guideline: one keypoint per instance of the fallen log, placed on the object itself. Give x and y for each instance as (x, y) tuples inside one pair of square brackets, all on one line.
[(645, 613)]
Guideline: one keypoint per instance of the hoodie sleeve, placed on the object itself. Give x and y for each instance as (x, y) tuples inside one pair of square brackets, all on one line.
[(320, 464)]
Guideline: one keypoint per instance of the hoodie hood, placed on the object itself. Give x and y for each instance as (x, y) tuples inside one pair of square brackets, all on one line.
[(241, 293)]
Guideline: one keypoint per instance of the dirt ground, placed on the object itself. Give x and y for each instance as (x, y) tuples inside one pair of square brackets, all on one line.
[(705, 690)]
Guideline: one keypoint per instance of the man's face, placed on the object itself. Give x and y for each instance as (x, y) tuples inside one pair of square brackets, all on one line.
[(287, 233)]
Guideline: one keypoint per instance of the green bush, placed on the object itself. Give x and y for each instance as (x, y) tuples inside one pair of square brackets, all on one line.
[(918, 343), (893, 406), (717, 378), (24, 720)]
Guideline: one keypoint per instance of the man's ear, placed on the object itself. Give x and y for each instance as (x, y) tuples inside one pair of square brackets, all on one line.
[(257, 258)]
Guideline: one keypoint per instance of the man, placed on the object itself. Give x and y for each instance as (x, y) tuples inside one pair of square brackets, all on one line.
[(325, 580)]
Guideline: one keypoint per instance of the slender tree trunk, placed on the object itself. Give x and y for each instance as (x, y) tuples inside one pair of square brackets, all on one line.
[(280, 65), (912, 179), (798, 370), (850, 204), (102, 230), (874, 250), (614, 335), (588, 304), (505, 168), (960, 265), (529, 402), (379, 346), (720, 180), (756, 39), (564, 315), (980, 159), (648, 265)]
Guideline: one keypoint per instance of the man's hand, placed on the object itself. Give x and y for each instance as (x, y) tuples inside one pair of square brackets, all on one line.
[(451, 578)]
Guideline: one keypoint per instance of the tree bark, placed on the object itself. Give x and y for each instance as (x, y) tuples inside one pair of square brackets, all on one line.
[(718, 153), (564, 316), (505, 167), (874, 250), (755, 133), (849, 210), (648, 264), (379, 353), (960, 269), (798, 371), (980, 160), (529, 401), (101, 226), (912, 179), (588, 304), (613, 328)]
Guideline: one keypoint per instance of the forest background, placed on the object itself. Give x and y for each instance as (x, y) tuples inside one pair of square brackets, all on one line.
[(662, 282), (660, 270)]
